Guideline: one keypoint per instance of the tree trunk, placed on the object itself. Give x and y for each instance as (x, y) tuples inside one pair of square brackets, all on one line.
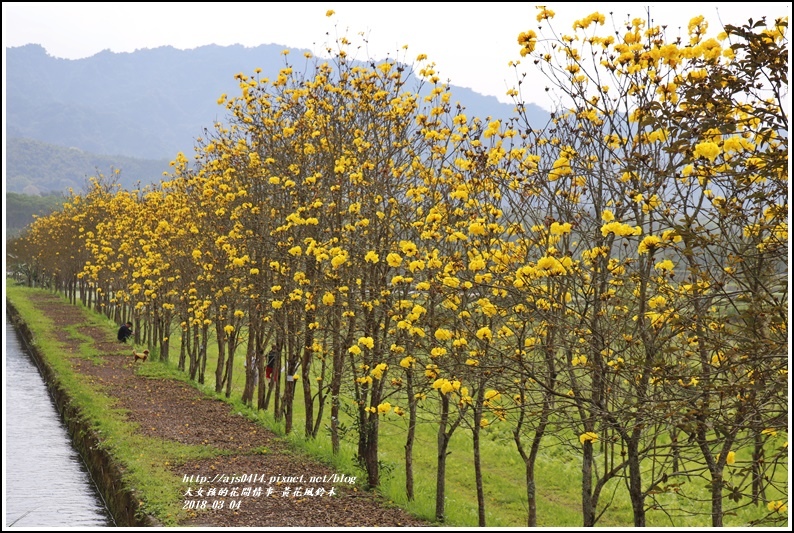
[(635, 480), (588, 509), (336, 380), (371, 452), (286, 403), (409, 440), (441, 458), (219, 368), (251, 366), (532, 504), (289, 387), (277, 381), (230, 362), (533, 457), (165, 335), (758, 460), (184, 349), (477, 463), (306, 362), (716, 497), (202, 353)]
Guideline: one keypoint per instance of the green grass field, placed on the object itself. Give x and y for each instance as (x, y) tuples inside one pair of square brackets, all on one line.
[(558, 472)]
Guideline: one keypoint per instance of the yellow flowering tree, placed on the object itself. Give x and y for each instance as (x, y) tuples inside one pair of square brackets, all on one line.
[(634, 151), (732, 214)]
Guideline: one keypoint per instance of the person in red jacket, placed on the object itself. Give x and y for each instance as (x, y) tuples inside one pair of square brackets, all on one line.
[(271, 363)]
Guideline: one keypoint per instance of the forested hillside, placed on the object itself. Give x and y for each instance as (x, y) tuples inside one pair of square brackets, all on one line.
[(35, 167), (20, 208)]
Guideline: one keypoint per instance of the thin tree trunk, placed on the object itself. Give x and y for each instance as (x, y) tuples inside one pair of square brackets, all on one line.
[(477, 462), (758, 459), (306, 361), (635, 481), (441, 458), (409, 440), (221, 365), (371, 453), (716, 498), (588, 509)]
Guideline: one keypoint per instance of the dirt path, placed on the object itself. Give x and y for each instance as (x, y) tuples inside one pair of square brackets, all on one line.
[(304, 492)]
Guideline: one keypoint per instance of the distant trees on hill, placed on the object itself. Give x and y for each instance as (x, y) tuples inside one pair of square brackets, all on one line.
[(34, 167)]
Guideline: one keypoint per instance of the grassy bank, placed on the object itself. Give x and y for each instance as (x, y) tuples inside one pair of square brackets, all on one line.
[(558, 473)]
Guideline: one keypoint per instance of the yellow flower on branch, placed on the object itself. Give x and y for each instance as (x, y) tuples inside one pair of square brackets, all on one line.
[(477, 264), (407, 362), (355, 350), (560, 229), (729, 459), (378, 371), (777, 506), (649, 243), (666, 265), (618, 228), (443, 385), (527, 40), (707, 149), (588, 437), (693, 381), (492, 395), (451, 281), (443, 334), (484, 333), (561, 167), (544, 14), (408, 248), (394, 260)]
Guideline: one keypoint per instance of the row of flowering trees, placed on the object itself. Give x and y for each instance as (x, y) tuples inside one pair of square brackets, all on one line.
[(618, 276)]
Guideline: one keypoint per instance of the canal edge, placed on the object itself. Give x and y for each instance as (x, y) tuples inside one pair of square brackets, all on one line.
[(105, 471)]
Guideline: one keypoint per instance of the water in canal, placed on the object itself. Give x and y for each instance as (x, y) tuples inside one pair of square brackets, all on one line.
[(46, 483)]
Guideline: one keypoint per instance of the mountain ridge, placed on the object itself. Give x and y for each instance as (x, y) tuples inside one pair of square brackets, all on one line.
[(146, 105)]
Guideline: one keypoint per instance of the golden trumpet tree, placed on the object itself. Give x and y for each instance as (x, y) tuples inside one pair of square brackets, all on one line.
[(641, 141)]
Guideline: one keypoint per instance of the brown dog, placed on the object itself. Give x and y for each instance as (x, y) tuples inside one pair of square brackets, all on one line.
[(142, 356)]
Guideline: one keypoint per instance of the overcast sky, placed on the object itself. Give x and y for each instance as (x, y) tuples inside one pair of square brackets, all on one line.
[(470, 42)]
